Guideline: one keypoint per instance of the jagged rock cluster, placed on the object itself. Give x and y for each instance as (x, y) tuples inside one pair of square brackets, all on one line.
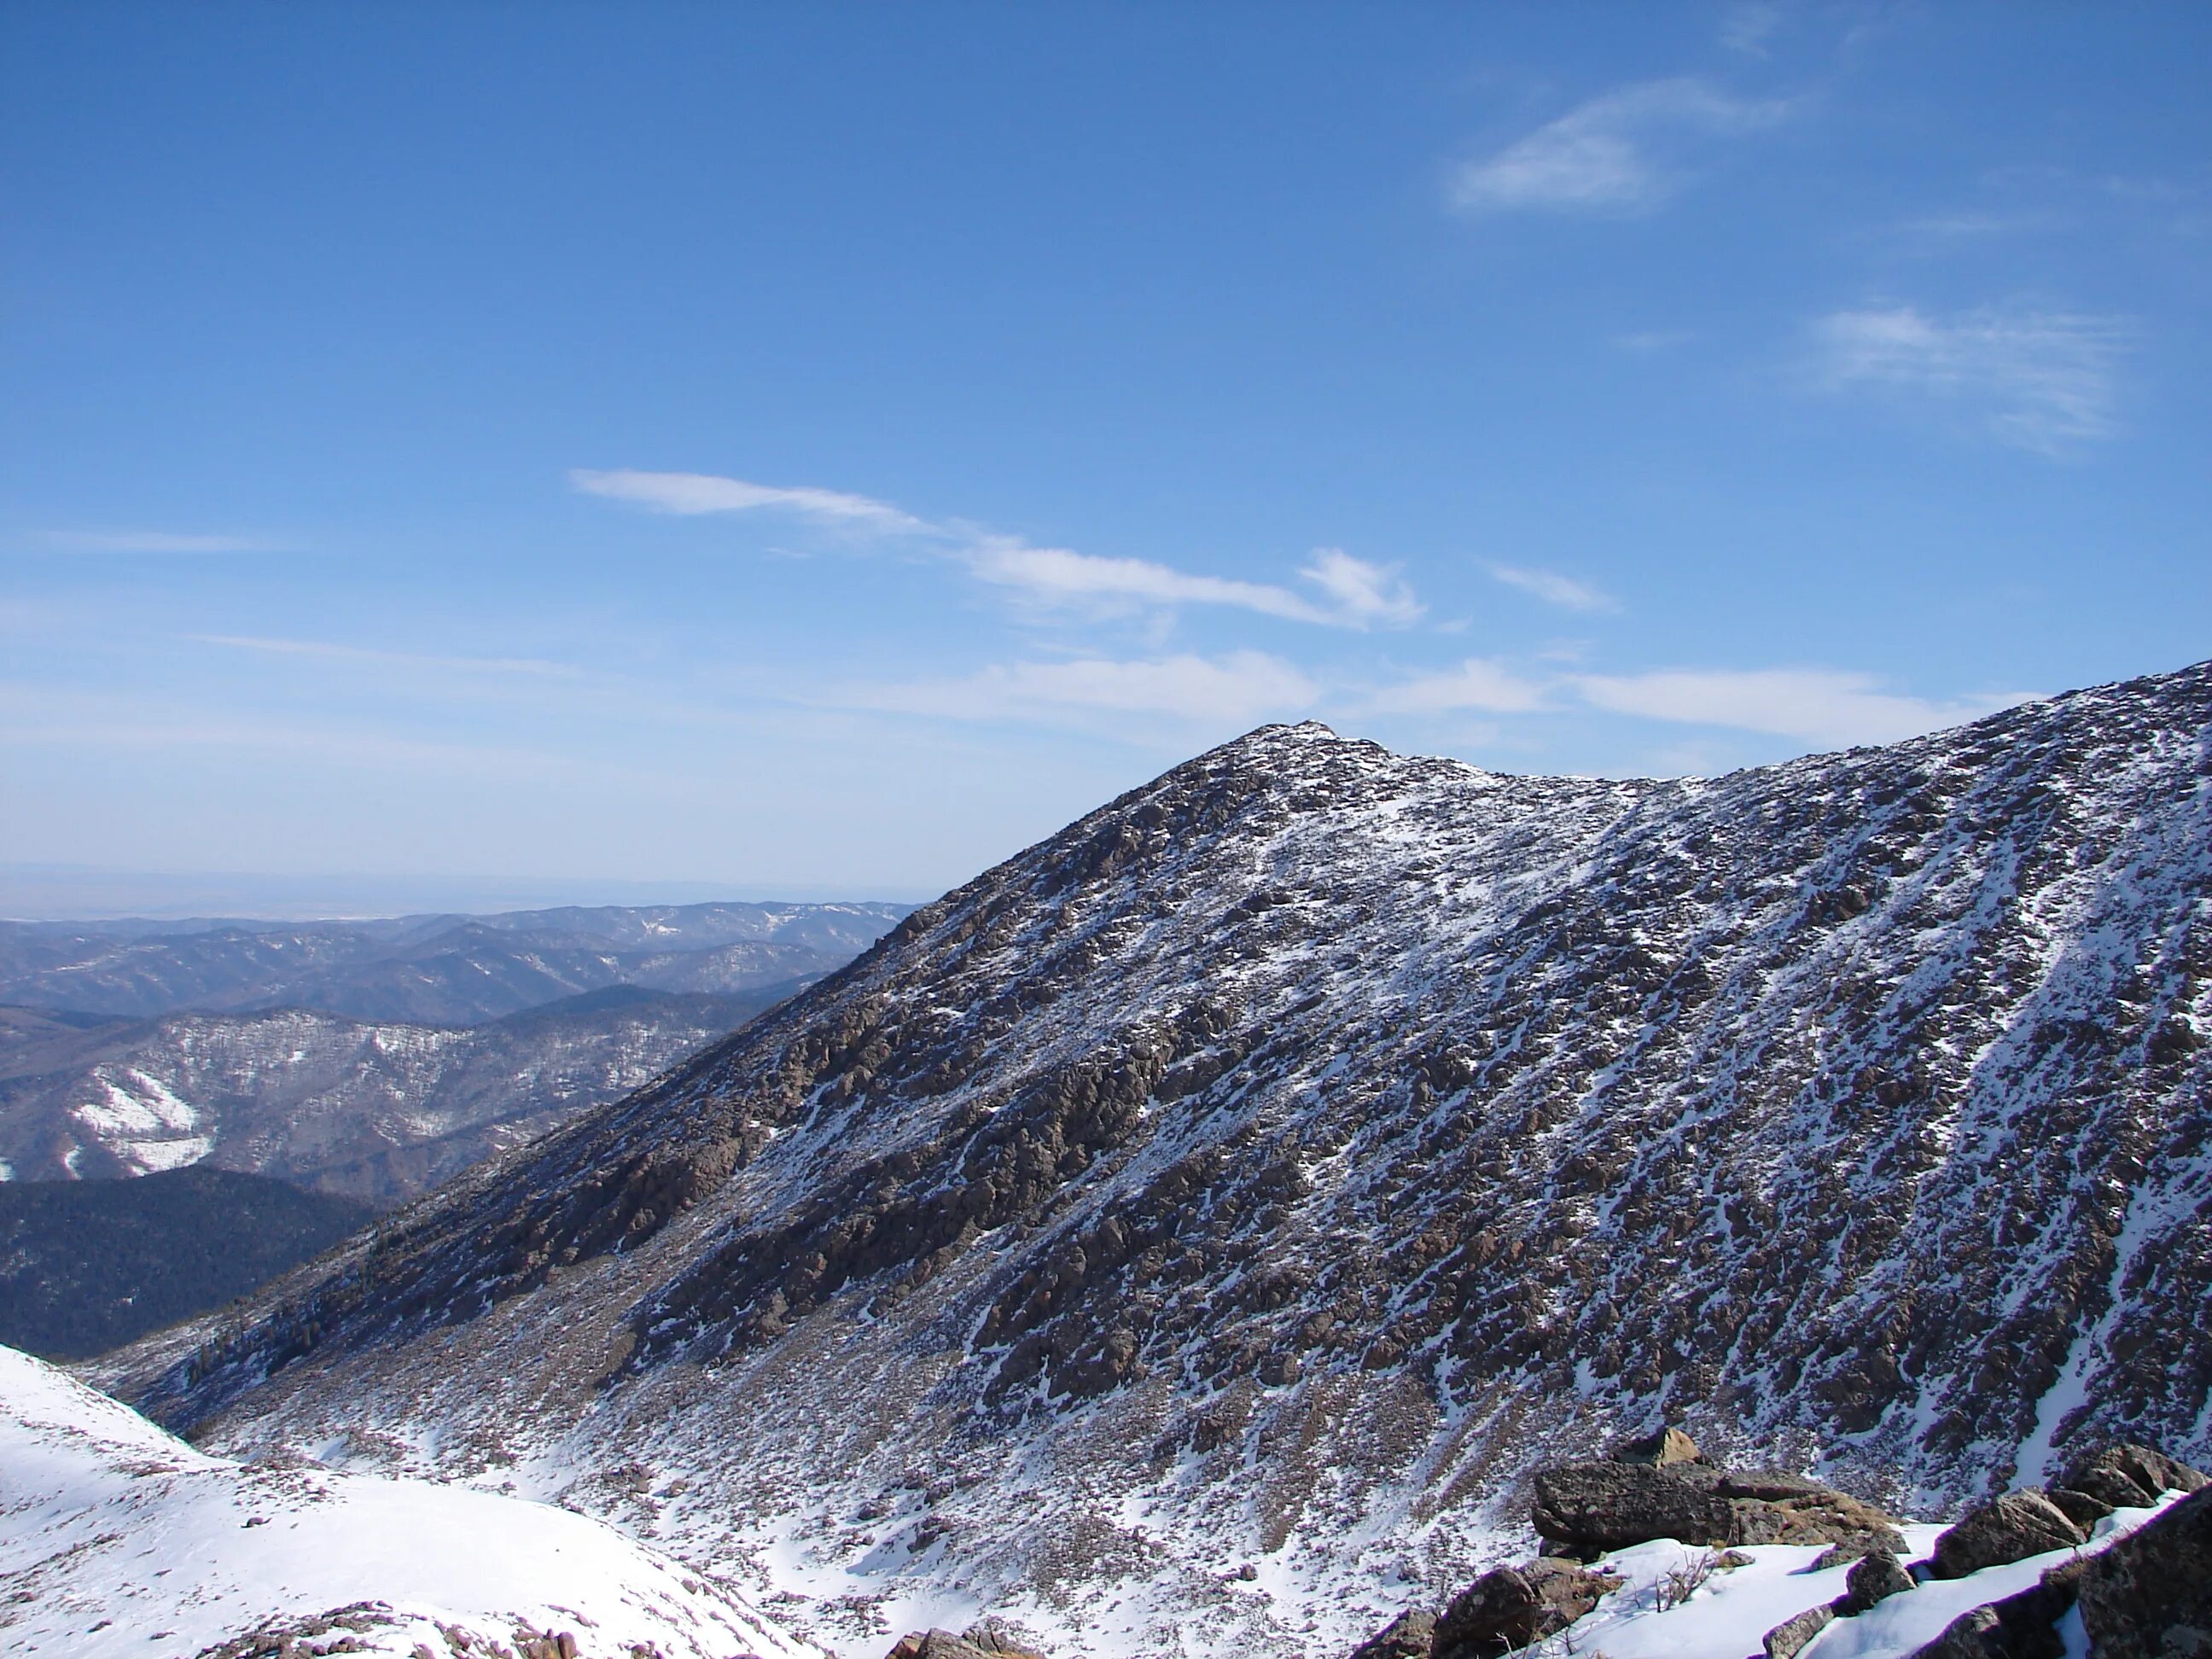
[(2149, 1594), (1281, 1161)]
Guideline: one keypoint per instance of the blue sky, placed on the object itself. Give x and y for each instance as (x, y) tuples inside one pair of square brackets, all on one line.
[(823, 449)]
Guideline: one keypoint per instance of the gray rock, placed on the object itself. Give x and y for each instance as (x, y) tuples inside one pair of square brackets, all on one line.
[(1611, 1506), (2007, 1529), (1788, 1639), (1669, 1445), (2082, 1509), (1411, 1634), (2149, 1596), (2022, 1626), (1873, 1577), (2131, 1476), (1511, 1607)]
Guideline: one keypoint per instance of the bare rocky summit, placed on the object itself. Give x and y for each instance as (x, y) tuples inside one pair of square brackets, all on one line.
[(1281, 1163)]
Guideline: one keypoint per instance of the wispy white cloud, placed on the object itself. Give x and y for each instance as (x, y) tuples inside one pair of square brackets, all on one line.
[(1240, 687), (1353, 592), (1828, 706), (2043, 381), (156, 541), (1060, 576), (1360, 592), (327, 650), (1477, 683), (1623, 152), (1554, 589), (691, 494), (1748, 28)]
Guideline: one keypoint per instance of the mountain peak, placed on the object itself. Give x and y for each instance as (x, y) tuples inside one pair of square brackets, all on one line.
[(1289, 1154)]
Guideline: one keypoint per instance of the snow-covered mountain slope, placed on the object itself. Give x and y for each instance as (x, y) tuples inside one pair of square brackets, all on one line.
[(115, 1538), (1268, 1169), (374, 1110), (434, 970)]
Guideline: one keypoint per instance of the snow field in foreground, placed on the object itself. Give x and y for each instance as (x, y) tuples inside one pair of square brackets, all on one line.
[(117, 1538)]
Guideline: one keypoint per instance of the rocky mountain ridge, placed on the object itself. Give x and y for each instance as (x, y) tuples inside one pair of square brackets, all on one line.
[(1276, 1166)]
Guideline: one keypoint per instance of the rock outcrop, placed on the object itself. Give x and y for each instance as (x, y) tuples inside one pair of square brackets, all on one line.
[(2010, 1528), (1510, 1608), (1411, 1634), (2149, 1596), (978, 1642), (1581, 1508)]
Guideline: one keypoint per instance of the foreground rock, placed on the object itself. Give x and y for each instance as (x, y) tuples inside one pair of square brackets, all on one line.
[(1513, 1606), (1409, 1636), (2149, 1596), (978, 1642), (1583, 1509), (2007, 1529)]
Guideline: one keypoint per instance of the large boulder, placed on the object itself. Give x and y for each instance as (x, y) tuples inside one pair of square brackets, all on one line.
[(1584, 1508), (2129, 1476), (2149, 1596), (1794, 1634), (1874, 1576), (2007, 1529), (2021, 1626), (1510, 1608), (1409, 1636)]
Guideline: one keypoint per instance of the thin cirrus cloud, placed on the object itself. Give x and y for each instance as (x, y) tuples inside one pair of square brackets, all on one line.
[(1239, 688), (690, 494), (1624, 152), (1554, 589), (1831, 707), (2041, 381), (1349, 592)]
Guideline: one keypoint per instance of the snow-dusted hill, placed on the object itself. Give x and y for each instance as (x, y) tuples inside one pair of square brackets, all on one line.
[(374, 1110), (1185, 1234), (115, 1538)]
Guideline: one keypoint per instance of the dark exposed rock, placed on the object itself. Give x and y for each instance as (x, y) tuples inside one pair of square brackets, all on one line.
[(1788, 1639), (2131, 1476), (978, 1642), (2079, 1507), (2007, 1529), (2149, 1596), (1508, 1608), (1411, 1634), (2021, 1626), (1610, 1505), (1873, 1577)]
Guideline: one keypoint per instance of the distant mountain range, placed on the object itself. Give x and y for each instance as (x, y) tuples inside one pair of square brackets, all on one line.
[(430, 970), (378, 1110)]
